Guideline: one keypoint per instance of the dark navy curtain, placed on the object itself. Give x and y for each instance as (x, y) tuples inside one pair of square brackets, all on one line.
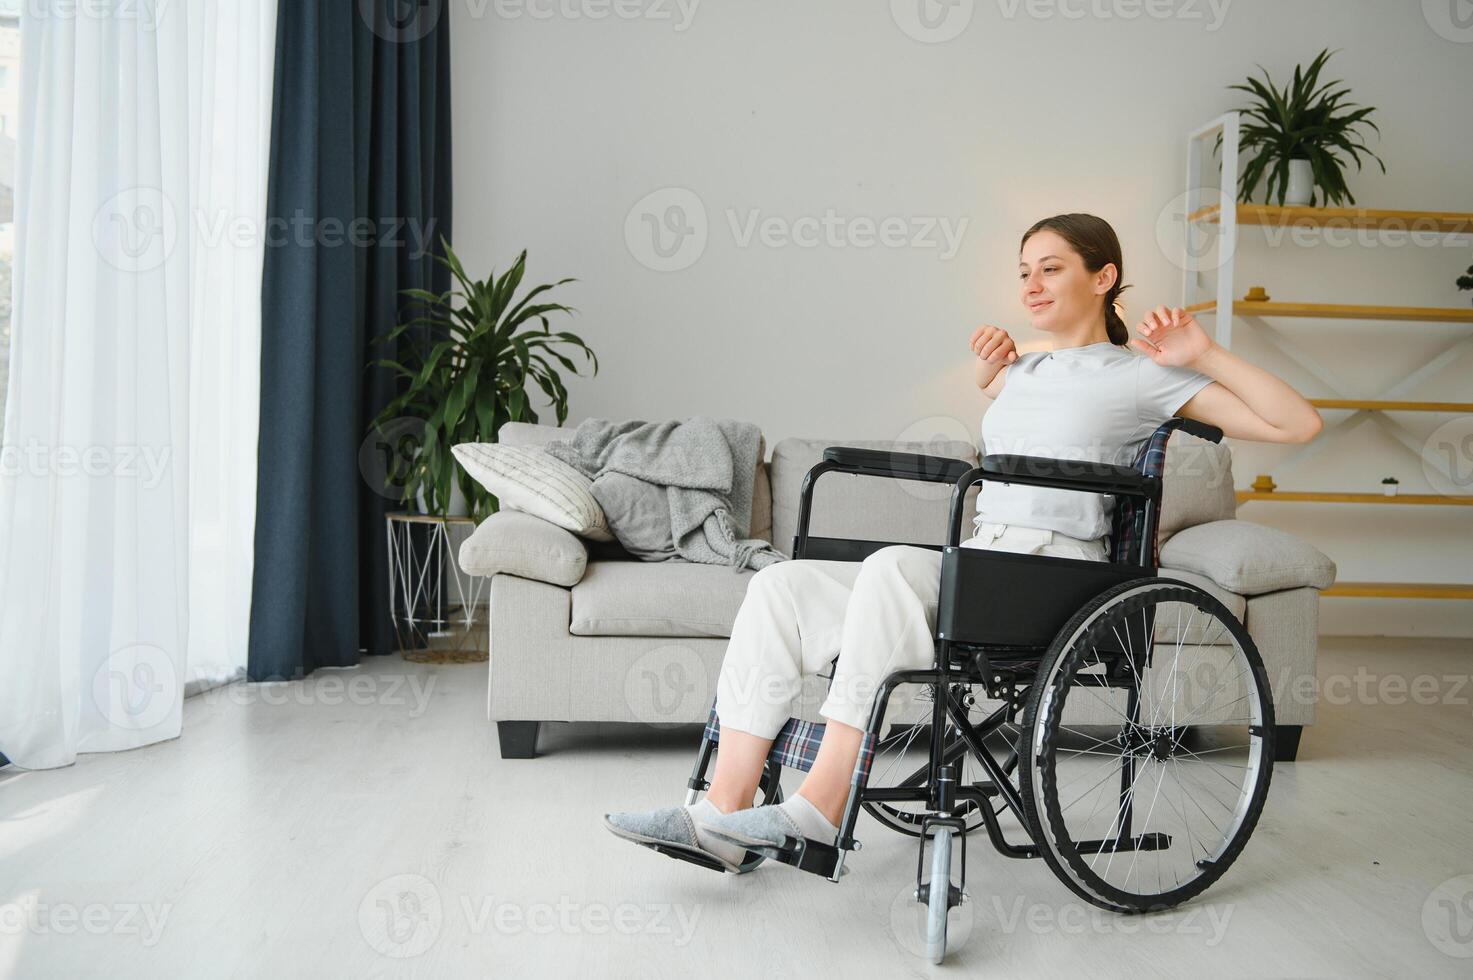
[(358, 199)]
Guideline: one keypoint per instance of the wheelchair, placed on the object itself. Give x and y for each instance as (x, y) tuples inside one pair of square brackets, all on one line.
[(1132, 741)]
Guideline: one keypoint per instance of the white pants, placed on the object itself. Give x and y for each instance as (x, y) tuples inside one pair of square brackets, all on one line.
[(876, 616)]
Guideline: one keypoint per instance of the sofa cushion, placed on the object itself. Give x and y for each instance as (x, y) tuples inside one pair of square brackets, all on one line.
[(665, 598), (527, 479), (521, 544), (867, 507), (1248, 558), (1197, 485)]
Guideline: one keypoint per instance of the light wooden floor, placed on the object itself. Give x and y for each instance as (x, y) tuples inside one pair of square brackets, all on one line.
[(290, 835)]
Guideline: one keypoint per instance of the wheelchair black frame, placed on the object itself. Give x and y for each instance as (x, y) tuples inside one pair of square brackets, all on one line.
[(941, 792)]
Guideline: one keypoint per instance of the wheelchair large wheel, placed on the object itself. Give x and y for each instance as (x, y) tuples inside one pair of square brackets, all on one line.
[(902, 757), (1151, 746)]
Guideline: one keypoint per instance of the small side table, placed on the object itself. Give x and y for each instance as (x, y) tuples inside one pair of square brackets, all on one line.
[(437, 609)]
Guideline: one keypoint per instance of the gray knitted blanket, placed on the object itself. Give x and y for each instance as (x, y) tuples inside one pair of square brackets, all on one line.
[(674, 489)]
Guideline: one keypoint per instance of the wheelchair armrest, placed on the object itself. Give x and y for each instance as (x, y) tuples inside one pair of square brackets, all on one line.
[(899, 466), (1067, 474)]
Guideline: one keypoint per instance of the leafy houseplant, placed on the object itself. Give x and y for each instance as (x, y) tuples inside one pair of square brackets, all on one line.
[(468, 355), (1301, 123), (1466, 282)]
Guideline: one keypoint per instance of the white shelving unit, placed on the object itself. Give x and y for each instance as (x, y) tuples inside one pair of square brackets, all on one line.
[(1212, 222)]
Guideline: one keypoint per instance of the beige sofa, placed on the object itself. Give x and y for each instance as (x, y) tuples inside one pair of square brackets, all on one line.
[(580, 632)]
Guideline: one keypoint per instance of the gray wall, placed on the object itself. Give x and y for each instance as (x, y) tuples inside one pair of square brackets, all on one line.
[(769, 118)]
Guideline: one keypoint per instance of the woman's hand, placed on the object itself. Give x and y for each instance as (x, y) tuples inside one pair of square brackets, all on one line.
[(1172, 338), (992, 344)]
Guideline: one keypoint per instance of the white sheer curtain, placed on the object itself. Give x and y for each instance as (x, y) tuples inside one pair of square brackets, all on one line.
[(233, 46), (118, 509)]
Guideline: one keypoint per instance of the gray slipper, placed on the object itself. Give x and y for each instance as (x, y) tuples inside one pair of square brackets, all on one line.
[(759, 826), (668, 829)]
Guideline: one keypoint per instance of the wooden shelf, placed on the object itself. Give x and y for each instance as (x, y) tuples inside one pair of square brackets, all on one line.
[(1401, 590), (1339, 311), (1440, 222), (1384, 406), (1298, 496)]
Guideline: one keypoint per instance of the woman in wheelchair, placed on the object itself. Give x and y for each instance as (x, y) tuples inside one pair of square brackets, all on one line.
[(1089, 398)]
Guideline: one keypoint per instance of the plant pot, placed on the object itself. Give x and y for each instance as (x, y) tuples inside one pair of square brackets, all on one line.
[(1389, 489), (1301, 183)]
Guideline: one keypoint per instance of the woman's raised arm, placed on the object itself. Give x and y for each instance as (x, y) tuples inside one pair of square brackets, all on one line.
[(1246, 402)]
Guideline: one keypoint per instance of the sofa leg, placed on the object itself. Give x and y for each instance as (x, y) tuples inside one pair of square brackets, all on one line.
[(1286, 742), (518, 739)]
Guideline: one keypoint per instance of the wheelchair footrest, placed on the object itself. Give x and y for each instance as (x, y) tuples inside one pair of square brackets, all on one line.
[(802, 853), (684, 855)]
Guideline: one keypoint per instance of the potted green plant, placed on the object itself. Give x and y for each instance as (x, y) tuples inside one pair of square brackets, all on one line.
[(1466, 282), (1299, 135), (466, 357), (1389, 486)]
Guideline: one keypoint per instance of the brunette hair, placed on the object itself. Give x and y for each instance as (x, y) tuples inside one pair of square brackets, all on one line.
[(1095, 241)]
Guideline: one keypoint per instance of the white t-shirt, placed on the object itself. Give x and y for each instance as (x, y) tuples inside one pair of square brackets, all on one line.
[(1099, 402)]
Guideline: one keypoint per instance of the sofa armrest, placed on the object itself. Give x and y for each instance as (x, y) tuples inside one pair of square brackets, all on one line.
[(515, 543), (1247, 558)]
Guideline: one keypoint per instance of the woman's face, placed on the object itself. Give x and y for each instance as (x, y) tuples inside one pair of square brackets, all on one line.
[(1057, 290)]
